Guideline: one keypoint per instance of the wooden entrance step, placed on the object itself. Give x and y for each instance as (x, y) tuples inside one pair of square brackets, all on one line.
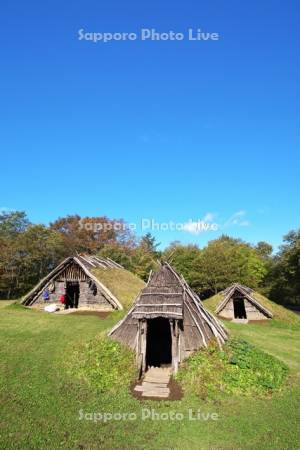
[(240, 321), (155, 383)]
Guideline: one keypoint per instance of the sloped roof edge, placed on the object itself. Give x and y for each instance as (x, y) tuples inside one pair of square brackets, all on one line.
[(42, 284), (198, 313), (243, 290)]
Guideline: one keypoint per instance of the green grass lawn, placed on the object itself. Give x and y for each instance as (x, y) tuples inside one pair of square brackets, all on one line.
[(40, 400)]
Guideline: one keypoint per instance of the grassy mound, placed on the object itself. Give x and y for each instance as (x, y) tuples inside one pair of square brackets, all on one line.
[(122, 283), (241, 368), (104, 365), (280, 313)]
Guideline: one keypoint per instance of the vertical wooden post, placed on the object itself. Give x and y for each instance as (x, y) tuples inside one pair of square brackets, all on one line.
[(138, 349), (143, 344), (138, 341), (176, 346)]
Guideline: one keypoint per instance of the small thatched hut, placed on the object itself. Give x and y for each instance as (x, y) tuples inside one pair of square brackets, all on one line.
[(167, 322), (240, 303), (87, 282)]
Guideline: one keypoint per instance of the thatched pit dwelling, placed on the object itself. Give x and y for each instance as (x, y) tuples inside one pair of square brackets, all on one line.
[(82, 282), (240, 303), (167, 322)]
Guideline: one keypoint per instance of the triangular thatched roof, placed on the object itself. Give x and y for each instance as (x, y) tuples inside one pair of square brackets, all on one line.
[(93, 267), (168, 295), (247, 293), (278, 311)]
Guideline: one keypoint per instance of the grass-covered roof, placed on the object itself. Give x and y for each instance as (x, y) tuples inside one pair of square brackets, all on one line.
[(123, 284)]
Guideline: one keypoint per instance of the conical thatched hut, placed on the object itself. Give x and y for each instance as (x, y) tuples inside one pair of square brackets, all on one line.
[(87, 282), (167, 322), (240, 303)]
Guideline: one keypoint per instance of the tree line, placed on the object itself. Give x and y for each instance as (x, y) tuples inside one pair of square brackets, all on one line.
[(29, 251)]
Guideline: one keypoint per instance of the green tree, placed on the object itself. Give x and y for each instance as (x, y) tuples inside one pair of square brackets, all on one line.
[(264, 249), (119, 253), (90, 234), (148, 243), (143, 263), (284, 277), (185, 259), (27, 257), (222, 262), (226, 260), (13, 223)]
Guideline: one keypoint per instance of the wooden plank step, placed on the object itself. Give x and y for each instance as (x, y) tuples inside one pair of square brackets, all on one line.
[(151, 388), (158, 373), (155, 385), (157, 376), (156, 381), (155, 394), (138, 388)]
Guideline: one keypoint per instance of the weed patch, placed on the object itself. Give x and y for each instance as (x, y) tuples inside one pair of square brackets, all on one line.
[(241, 368), (103, 364)]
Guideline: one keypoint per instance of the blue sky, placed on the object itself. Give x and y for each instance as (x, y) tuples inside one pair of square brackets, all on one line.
[(172, 131)]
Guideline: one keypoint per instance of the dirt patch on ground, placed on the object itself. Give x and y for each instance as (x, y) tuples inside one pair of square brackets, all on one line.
[(100, 314), (261, 322), (176, 392)]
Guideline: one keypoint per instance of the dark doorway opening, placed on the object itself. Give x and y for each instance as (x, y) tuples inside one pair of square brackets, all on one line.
[(239, 308), (159, 343), (72, 294)]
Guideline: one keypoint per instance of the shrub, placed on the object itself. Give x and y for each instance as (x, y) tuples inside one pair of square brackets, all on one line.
[(250, 370), (240, 368), (104, 364)]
